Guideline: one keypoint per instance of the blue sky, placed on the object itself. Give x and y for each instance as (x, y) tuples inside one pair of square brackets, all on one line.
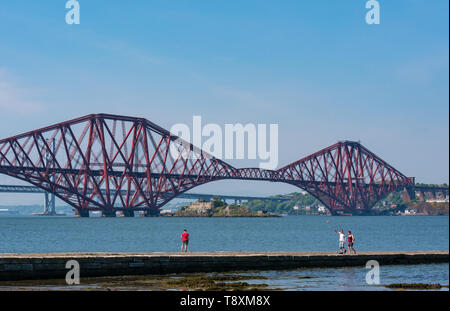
[(314, 67)]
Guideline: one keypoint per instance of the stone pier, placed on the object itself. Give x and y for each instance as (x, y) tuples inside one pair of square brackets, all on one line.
[(109, 213), (126, 213), (53, 266), (151, 213), (81, 212)]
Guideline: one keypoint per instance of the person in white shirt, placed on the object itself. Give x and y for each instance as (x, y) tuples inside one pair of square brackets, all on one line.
[(342, 249)]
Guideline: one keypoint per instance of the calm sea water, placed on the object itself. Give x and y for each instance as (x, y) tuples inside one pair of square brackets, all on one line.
[(292, 233), (22, 234)]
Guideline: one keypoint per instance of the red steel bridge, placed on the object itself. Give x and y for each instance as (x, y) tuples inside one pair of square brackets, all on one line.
[(116, 163)]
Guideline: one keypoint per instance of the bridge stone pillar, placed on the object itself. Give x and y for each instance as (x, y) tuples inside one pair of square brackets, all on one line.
[(151, 213), (108, 213), (408, 195), (81, 212), (126, 213), (433, 195), (49, 204), (421, 196)]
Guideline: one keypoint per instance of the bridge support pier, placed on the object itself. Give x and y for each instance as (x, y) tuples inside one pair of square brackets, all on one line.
[(408, 195), (432, 195), (126, 213), (81, 212), (49, 204), (421, 196), (151, 213), (108, 213)]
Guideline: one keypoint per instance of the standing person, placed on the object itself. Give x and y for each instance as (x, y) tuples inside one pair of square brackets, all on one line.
[(341, 241), (184, 241), (351, 240)]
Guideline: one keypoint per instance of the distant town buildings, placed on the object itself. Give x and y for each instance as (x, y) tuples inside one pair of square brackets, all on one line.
[(410, 211), (201, 207), (438, 200), (322, 209)]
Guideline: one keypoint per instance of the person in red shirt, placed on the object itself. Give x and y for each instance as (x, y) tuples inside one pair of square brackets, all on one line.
[(351, 240), (184, 240)]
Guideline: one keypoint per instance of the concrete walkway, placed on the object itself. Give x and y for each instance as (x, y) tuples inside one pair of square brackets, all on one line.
[(153, 254), (53, 265)]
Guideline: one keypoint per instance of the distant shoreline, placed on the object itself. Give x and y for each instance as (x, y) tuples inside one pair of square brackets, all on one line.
[(5, 215), (224, 216)]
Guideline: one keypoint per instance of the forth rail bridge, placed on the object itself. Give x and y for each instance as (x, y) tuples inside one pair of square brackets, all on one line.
[(111, 163)]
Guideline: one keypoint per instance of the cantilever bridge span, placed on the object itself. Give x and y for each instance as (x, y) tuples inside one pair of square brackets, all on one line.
[(116, 163)]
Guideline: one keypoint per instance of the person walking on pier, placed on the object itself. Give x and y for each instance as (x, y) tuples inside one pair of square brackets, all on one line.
[(184, 241), (350, 240), (342, 249)]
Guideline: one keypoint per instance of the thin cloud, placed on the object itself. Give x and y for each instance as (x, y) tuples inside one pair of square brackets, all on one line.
[(16, 99), (118, 47), (424, 71), (240, 96)]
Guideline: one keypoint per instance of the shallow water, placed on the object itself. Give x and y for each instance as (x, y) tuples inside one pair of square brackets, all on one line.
[(317, 279)]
